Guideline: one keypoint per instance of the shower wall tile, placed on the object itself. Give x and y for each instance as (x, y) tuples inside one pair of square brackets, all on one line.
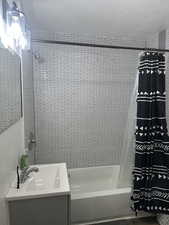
[(28, 95), (153, 41), (82, 96), (88, 38)]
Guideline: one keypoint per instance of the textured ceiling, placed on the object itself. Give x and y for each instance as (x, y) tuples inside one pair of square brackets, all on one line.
[(135, 18)]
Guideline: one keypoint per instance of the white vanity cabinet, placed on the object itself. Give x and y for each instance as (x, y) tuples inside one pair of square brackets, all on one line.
[(44, 199)]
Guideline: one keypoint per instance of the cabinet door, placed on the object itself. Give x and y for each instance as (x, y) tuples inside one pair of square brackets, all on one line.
[(42, 211)]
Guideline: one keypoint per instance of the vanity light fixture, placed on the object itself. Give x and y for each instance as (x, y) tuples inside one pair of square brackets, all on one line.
[(17, 36)]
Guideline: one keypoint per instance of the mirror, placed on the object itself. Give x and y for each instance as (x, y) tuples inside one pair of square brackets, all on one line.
[(10, 89)]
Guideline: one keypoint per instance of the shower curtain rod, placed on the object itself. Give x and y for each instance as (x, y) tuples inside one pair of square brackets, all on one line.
[(99, 45)]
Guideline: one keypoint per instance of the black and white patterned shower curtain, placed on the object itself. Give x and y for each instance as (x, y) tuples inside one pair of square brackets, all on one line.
[(151, 171)]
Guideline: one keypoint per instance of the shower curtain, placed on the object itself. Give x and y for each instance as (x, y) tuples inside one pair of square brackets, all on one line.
[(151, 171), (128, 147)]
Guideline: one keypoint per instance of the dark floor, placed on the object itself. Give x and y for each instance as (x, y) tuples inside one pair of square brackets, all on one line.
[(139, 221)]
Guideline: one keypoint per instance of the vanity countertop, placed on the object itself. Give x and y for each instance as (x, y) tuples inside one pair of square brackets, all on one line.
[(50, 180)]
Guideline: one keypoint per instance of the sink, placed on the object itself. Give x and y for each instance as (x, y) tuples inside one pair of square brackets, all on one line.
[(48, 177), (43, 199), (50, 180)]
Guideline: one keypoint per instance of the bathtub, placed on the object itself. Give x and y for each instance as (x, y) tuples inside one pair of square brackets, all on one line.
[(95, 195)]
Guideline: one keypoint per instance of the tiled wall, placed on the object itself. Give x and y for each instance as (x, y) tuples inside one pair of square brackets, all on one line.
[(81, 102), (10, 92), (28, 97), (88, 38)]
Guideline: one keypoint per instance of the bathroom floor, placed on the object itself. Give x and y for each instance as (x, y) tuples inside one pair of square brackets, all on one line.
[(140, 221)]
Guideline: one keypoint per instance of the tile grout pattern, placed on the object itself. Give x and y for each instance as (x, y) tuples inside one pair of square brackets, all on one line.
[(10, 92), (78, 91)]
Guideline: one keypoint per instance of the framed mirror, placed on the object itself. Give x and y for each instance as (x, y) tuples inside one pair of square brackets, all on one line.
[(10, 89)]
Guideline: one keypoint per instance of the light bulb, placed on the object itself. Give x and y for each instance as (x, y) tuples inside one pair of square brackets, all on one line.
[(16, 38)]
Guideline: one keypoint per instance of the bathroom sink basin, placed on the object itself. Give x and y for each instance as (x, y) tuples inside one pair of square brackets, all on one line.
[(48, 177), (50, 180)]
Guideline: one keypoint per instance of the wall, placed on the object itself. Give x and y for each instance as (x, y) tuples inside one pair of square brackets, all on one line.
[(28, 100), (88, 38), (11, 146), (10, 93), (81, 100)]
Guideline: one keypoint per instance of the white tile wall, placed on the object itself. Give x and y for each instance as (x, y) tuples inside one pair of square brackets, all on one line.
[(81, 103), (28, 96), (10, 93), (88, 38)]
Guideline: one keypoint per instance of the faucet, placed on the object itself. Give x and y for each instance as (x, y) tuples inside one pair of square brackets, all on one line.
[(25, 173)]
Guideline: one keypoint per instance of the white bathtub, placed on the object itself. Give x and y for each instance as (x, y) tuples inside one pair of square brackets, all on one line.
[(95, 195)]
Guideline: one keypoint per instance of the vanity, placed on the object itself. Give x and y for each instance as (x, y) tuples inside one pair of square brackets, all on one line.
[(44, 199)]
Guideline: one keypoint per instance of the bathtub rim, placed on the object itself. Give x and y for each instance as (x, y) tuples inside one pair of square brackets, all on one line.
[(92, 167)]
